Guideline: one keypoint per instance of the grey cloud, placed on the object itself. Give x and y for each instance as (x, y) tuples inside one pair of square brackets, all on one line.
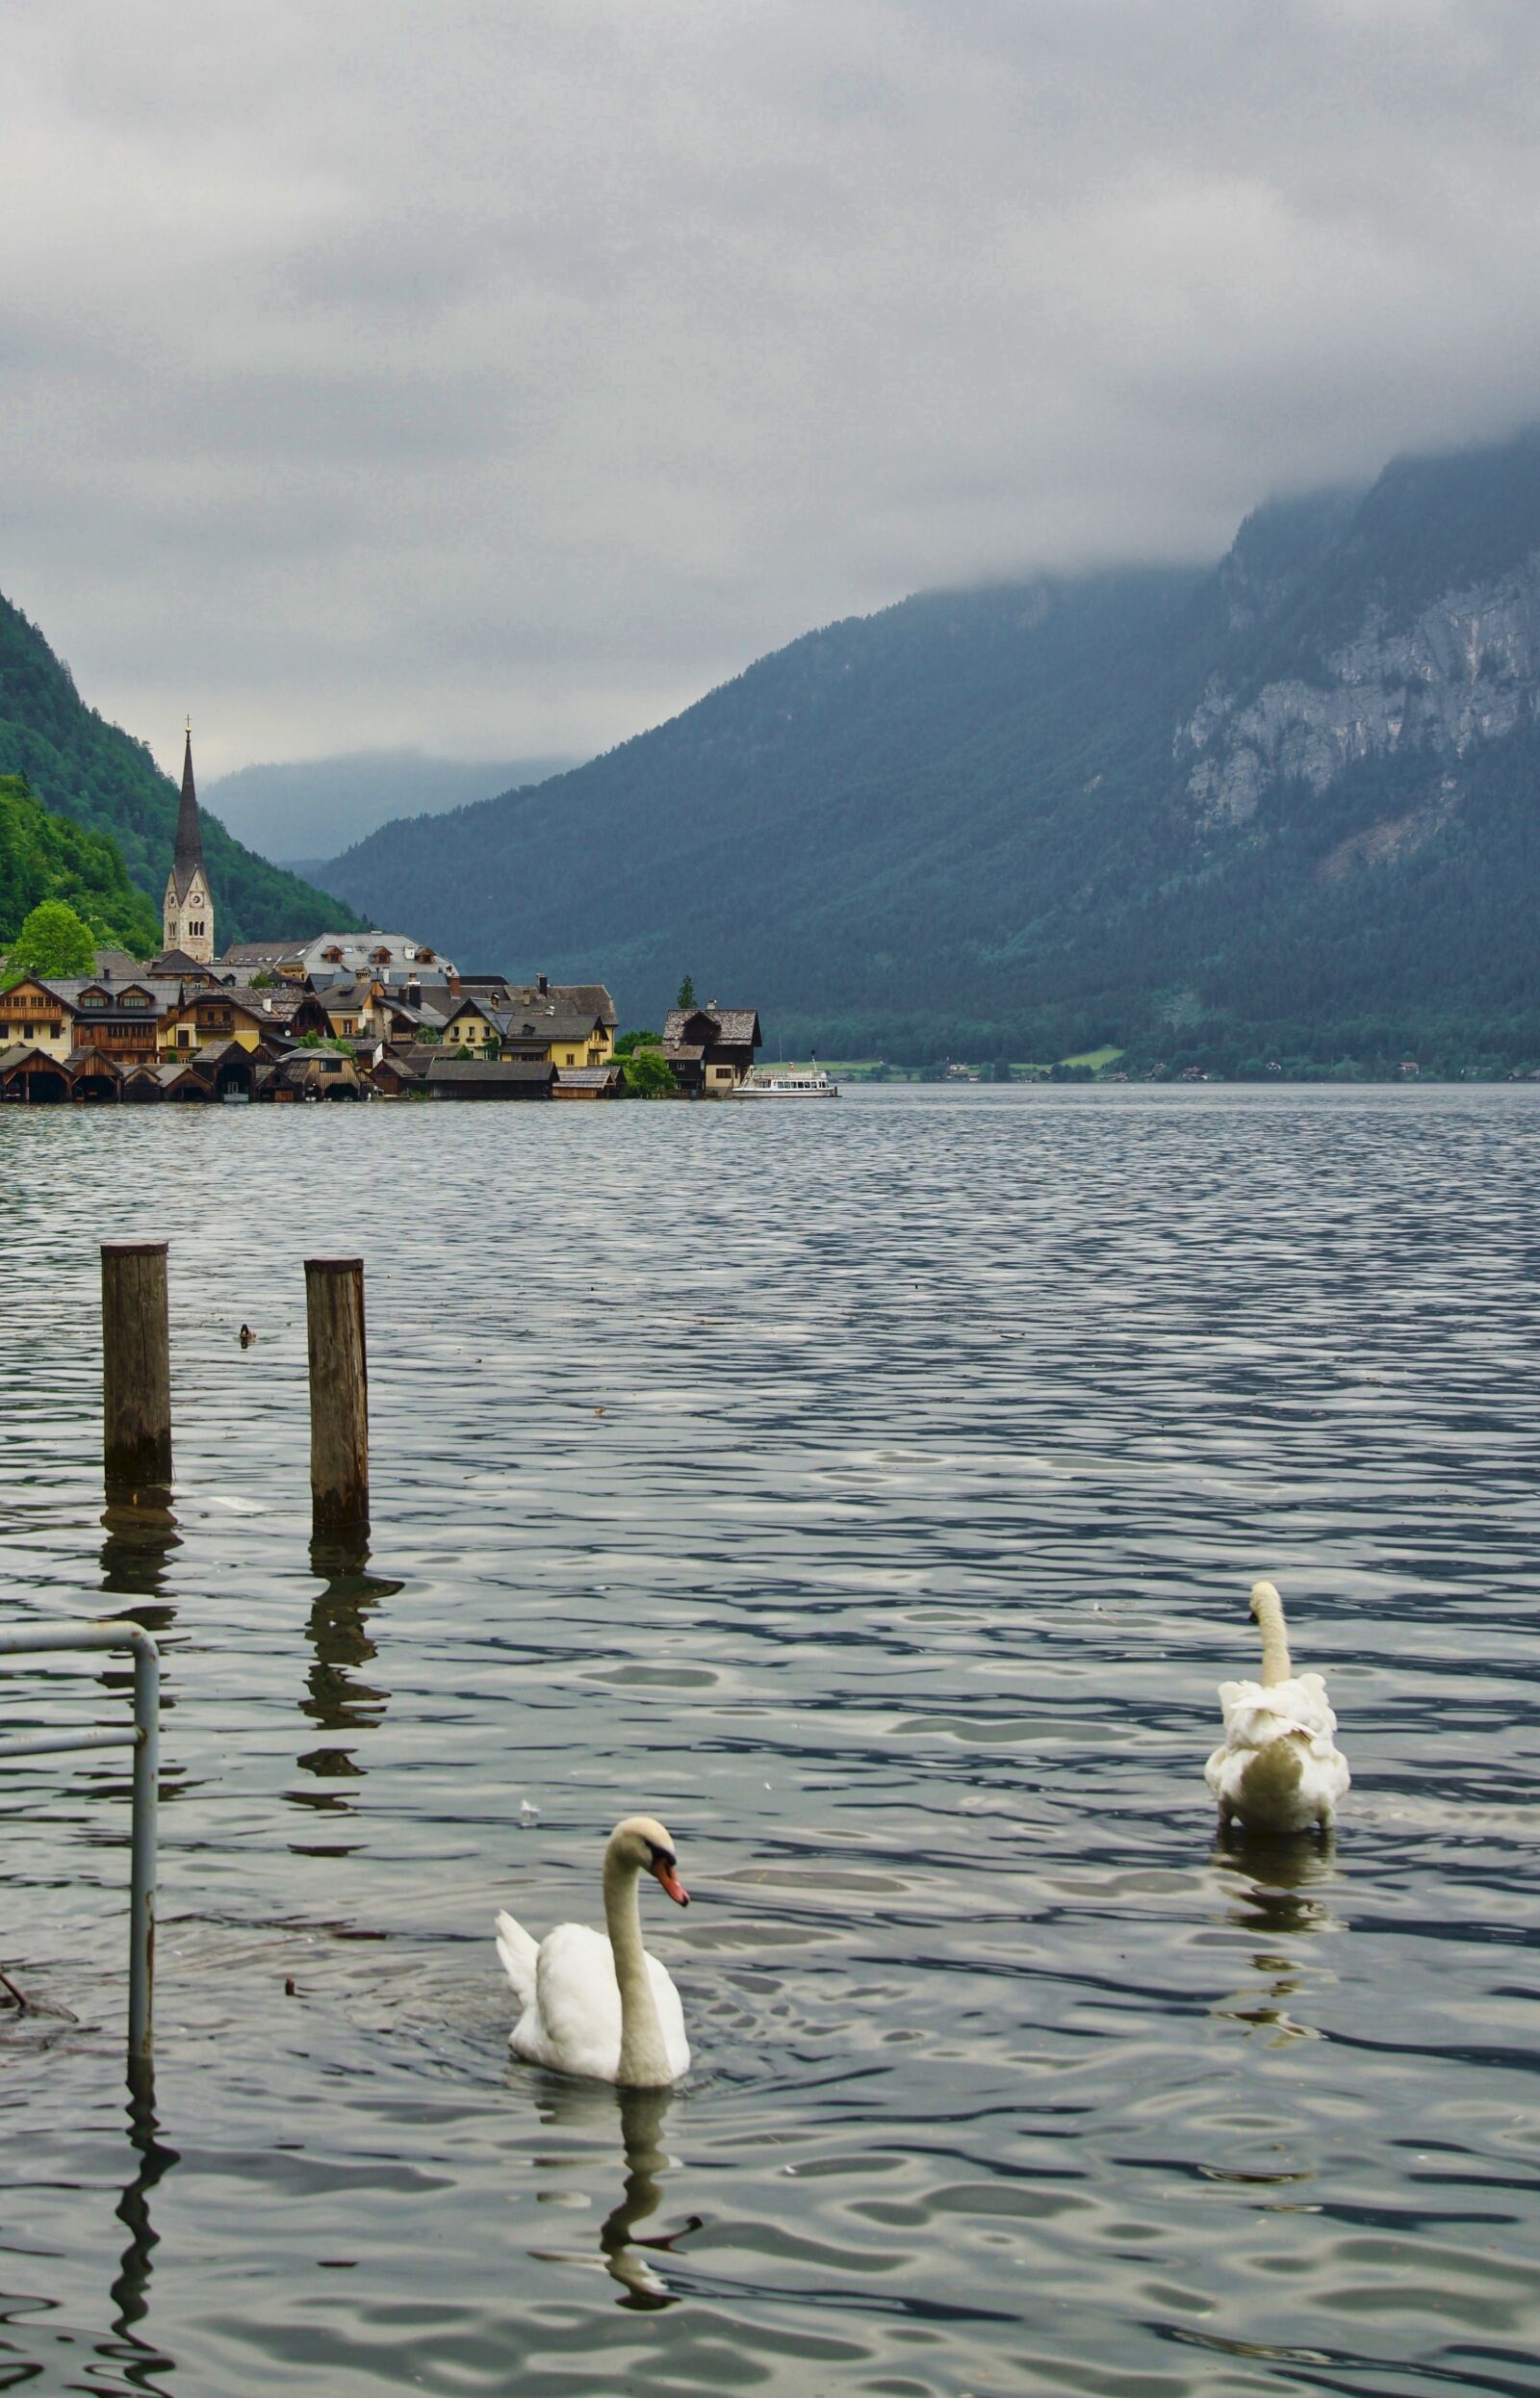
[(497, 380)]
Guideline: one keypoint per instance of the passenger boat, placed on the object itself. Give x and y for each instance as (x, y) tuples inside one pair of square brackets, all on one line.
[(786, 1082)]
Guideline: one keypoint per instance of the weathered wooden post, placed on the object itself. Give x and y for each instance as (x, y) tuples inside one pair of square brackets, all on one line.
[(339, 1394), (135, 1367)]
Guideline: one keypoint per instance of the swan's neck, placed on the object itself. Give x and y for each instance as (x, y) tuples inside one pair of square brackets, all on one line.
[(643, 2057), (1276, 1664)]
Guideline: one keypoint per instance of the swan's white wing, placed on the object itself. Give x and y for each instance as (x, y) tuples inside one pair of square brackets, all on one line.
[(1256, 1712), (574, 2025), (1288, 1791), (671, 2016), (518, 1953)]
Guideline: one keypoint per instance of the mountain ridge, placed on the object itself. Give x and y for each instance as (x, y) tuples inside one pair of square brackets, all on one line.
[(311, 808), (1165, 808)]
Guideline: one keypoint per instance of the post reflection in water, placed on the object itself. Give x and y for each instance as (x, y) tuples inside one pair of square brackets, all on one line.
[(140, 2358), (1277, 1890), (594, 2106), (335, 1699), (141, 1533)]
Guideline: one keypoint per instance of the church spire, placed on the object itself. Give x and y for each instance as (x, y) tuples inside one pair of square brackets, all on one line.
[(187, 912), (188, 858)]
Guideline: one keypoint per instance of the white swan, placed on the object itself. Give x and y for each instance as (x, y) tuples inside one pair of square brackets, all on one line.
[(597, 2006), (1278, 1768)]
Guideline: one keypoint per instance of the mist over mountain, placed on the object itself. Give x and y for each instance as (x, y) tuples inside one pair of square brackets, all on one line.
[(303, 811), (1285, 806)]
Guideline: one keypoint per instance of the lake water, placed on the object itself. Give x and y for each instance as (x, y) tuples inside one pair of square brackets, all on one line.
[(873, 1492)]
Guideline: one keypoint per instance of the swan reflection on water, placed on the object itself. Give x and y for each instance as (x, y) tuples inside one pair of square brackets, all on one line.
[(638, 2116), (1275, 1891)]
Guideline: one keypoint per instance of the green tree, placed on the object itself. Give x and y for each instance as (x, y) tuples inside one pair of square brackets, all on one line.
[(53, 940), (686, 998), (649, 1075), (639, 1040)]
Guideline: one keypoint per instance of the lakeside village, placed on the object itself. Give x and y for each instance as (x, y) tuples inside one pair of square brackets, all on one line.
[(341, 1017)]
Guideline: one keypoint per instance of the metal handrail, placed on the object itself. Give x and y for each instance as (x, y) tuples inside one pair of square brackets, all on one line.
[(114, 1632)]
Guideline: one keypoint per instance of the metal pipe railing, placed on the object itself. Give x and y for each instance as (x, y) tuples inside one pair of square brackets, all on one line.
[(114, 1632)]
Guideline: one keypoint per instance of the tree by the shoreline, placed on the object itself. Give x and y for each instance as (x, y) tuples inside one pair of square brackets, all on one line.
[(52, 939)]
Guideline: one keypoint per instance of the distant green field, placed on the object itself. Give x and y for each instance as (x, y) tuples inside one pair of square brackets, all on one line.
[(1097, 1059)]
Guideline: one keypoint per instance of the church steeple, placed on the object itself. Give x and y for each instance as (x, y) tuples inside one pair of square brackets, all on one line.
[(186, 915), (189, 857)]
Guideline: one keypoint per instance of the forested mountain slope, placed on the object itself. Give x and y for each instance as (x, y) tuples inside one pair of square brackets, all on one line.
[(85, 769), (1285, 806), (46, 857)]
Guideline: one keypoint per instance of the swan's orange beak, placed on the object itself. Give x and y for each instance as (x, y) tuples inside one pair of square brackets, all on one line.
[(667, 1879)]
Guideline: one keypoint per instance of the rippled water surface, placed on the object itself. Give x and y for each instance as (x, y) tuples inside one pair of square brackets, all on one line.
[(872, 1491)]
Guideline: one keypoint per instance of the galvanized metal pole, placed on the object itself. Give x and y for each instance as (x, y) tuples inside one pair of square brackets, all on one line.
[(135, 1366), (339, 1394), (141, 1886)]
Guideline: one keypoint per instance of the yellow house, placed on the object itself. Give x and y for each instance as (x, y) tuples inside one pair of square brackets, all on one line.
[(32, 1013), (558, 1036), (473, 1027), (354, 1013), (207, 1015), (546, 1023)]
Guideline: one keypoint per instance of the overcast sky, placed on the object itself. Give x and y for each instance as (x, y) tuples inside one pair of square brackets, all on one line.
[(500, 374)]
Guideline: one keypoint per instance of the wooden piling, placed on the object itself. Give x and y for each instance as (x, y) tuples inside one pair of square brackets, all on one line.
[(339, 1394), (135, 1367)]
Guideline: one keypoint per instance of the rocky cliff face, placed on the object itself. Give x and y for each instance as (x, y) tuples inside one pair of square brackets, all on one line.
[(1464, 670)]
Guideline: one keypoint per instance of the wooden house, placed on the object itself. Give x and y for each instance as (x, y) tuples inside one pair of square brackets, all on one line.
[(208, 1014), (121, 1019), (31, 1076), (96, 1078), (710, 1049), (35, 1014)]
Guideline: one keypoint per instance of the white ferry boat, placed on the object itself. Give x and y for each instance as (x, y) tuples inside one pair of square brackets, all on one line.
[(786, 1082)]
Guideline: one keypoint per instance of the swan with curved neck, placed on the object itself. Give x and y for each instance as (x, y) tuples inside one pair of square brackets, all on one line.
[(1267, 1613), (1278, 1768), (597, 2006)]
